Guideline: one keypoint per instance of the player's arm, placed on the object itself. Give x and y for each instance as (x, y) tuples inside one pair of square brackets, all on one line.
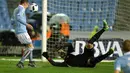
[(29, 26), (59, 64), (117, 66), (19, 16), (116, 71), (31, 31)]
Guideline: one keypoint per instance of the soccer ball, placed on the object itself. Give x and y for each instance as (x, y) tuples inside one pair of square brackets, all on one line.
[(33, 7)]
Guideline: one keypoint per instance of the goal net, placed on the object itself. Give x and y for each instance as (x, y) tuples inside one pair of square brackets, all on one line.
[(122, 16), (84, 16)]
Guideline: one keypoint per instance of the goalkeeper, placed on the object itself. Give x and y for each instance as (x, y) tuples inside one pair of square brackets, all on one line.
[(86, 59)]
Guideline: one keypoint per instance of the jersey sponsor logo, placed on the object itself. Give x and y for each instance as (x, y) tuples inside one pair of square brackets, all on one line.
[(101, 47)]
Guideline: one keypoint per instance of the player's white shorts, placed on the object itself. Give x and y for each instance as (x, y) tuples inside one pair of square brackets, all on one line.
[(24, 38)]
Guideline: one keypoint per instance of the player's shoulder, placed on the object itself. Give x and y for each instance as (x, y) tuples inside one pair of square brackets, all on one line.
[(121, 59), (20, 7)]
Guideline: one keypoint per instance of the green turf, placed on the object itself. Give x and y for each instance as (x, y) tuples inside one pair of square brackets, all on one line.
[(45, 67)]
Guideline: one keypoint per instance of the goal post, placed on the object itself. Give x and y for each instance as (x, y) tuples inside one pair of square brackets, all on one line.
[(44, 27)]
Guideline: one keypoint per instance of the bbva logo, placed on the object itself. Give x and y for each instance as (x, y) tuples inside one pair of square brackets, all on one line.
[(100, 48)]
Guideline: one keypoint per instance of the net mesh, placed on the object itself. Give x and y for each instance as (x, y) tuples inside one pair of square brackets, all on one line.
[(85, 14), (122, 16)]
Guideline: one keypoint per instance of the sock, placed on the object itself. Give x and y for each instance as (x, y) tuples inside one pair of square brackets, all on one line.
[(26, 53), (96, 36), (31, 56)]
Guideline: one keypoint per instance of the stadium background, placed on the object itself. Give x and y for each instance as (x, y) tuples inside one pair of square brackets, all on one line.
[(84, 15), (118, 12), (118, 16)]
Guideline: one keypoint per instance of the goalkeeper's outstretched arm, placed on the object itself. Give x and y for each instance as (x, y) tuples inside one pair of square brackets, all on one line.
[(59, 64)]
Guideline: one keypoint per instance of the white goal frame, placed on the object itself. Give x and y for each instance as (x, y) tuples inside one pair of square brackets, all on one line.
[(44, 27)]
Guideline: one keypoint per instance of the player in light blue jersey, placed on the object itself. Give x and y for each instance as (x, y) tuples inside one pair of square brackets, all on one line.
[(123, 63), (21, 33)]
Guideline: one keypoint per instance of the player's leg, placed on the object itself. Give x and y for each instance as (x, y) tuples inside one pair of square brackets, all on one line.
[(94, 60), (98, 34), (25, 55), (24, 38), (31, 62), (88, 50)]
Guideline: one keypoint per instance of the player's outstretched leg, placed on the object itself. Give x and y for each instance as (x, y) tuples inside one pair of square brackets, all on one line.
[(89, 51), (98, 34), (98, 59)]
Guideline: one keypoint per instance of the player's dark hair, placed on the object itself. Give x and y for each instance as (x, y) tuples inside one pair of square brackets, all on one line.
[(23, 1), (126, 46)]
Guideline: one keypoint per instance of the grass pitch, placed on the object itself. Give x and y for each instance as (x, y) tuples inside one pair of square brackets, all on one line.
[(45, 67)]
